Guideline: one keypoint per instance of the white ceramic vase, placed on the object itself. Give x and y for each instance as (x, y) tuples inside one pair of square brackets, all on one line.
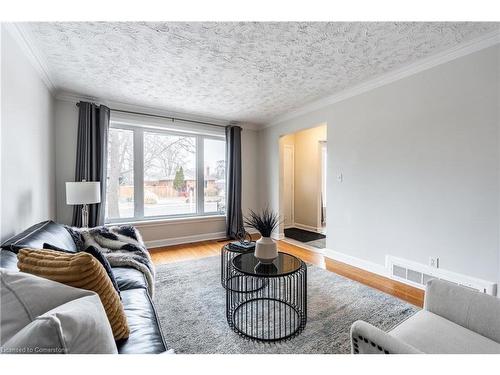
[(266, 250)]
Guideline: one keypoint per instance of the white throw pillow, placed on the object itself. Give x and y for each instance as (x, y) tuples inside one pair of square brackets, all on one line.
[(25, 297), (43, 316), (78, 326)]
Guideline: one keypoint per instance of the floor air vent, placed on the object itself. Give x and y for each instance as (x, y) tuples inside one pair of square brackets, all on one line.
[(418, 275)]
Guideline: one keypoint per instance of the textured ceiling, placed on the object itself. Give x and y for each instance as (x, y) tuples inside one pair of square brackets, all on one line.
[(249, 72)]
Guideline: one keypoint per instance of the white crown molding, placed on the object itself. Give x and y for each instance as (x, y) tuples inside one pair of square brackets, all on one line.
[(485, 41), (25, 42), (75, 98), (23, 38)]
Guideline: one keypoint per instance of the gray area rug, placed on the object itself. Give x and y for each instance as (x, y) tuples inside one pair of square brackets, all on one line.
[(190, 303)]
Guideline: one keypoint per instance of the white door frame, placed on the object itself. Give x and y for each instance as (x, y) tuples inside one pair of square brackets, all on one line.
[(321, 145), (292, 178)]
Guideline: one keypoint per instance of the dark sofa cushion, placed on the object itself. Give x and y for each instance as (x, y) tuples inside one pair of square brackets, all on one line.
[(38, 234), (48, 246), (145, 333), (129, 278), (8, 260)]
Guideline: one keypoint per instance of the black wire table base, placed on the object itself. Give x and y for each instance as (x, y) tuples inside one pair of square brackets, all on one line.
[(268, 308), (233, 283), (226, 256), (263, 324)]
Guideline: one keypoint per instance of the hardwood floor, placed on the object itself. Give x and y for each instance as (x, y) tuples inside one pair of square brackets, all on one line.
[(204, 249)]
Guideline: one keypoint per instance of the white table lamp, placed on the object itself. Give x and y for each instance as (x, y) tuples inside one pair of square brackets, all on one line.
[(84, 193)]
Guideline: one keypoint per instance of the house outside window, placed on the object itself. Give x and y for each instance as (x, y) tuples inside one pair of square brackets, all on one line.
[(157, 172)]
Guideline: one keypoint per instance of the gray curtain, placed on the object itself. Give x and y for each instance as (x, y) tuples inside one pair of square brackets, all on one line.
[(234, 215), (91, 156)]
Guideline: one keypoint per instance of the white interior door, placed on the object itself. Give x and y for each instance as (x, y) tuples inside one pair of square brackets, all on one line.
[(288, 184)]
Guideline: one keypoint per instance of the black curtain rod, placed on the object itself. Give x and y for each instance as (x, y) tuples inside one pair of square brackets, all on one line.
[(165, 117)]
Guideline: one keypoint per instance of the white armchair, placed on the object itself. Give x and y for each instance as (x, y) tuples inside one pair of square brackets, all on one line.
[(454, 320)]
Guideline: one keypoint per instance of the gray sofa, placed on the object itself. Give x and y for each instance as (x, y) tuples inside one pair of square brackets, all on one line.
[(454, 320)]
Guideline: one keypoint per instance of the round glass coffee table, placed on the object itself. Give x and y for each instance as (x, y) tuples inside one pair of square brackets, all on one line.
[(267, 302)]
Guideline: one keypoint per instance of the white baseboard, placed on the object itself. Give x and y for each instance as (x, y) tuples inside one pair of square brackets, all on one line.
[(190, 239), (185, 239), (278, 236), (302, 244), (366, 265), (307, 227)]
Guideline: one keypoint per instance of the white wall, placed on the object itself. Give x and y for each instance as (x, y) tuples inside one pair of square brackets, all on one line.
[(27, 143), (66, 122), (155, 234), (420, 160)]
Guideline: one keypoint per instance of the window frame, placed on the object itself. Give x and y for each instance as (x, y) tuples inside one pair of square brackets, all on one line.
[(138, 152)]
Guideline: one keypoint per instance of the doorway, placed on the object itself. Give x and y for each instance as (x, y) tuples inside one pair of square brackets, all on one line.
[(288, 184), (303, 188)]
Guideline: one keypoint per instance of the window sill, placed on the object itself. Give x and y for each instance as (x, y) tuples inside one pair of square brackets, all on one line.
[(174, 220)]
